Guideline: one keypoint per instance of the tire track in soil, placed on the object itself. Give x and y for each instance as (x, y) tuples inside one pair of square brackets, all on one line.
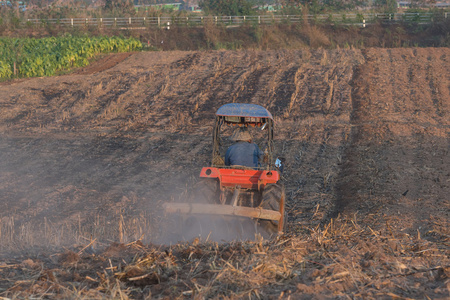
[(187, 62), (391, 159), (239, 80), (206, 81), (250, 86), (224, 78), (434, 92), (349, 180), (103, 64), (391, 79), (312, 140), (283, 93), (319, 137), (207, 92)]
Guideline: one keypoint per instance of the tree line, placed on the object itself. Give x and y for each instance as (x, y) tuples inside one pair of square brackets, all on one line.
[(247, 7), (11, 16)]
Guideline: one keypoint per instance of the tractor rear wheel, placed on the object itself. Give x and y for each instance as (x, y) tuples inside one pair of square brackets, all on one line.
[(271, 199), (206, 191)]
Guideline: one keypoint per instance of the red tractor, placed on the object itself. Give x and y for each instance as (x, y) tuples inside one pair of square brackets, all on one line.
[(237, 193)]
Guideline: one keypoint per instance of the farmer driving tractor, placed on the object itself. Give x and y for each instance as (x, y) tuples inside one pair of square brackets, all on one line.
[(239, 189), (243, 152)]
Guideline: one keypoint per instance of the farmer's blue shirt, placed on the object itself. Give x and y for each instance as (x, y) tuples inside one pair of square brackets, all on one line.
[(243, 154)]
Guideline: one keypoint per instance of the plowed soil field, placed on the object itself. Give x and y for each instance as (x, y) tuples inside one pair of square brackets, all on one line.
[(87, 160)]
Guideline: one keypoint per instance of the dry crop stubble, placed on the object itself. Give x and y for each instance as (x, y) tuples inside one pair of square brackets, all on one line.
[(32, 238), (374, 251)]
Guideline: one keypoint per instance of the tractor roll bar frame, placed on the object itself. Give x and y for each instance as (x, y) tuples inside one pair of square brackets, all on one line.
[(220, 120)]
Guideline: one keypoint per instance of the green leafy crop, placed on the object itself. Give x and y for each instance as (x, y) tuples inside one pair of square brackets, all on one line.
[(29, 57)]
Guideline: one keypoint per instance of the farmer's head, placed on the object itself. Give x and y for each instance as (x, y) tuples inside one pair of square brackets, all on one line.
[(241, 134)]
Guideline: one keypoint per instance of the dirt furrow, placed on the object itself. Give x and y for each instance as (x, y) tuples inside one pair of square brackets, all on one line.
[(88, 160), (390, 165), (350, 131)]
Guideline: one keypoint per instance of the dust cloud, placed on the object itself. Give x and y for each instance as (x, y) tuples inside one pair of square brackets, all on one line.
[(214, 228), (60, 191)]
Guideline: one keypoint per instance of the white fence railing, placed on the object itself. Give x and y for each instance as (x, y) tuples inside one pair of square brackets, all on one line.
[(347, 19)]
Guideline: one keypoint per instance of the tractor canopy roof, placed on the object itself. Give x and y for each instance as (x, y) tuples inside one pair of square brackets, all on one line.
[(243, 113)]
